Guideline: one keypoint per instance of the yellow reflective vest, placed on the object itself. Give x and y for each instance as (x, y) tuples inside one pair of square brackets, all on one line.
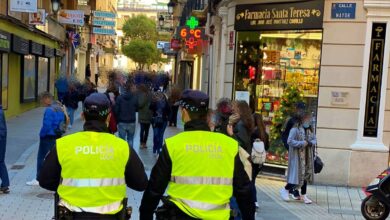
[(92, 172), (202, 173)]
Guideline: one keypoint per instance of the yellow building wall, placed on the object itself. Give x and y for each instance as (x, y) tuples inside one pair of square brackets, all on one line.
[(15, 107)]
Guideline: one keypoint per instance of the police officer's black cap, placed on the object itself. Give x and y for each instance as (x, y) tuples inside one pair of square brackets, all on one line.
[(97, 103), (194, 100)]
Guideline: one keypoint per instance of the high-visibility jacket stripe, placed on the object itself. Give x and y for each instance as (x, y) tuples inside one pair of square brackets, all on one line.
[(202, 205), (201, 180), (99, 209), (95, 182)]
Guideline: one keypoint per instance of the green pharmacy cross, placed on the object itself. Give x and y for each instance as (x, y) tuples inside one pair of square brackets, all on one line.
[(192, 22)]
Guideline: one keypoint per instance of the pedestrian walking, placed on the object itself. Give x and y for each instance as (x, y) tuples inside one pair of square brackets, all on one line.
[(62, 87), (144, 113), (125, 110), (51, 126), (174, 96), (112, 94), (201, 168), (300, 172), (4, 187), (222, 114), (89, 170), (161, 111), (71, 102), (241, 125), (88, 72), (259, 133), (294, 118)]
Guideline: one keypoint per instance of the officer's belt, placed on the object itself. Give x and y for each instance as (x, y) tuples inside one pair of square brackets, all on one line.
[(93, 182), (202, 180)]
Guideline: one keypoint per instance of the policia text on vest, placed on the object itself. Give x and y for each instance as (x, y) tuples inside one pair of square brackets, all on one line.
[(105, 152), (214, 151)]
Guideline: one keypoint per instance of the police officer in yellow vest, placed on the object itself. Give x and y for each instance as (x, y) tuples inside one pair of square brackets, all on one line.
[(90, 169), (201, 169)]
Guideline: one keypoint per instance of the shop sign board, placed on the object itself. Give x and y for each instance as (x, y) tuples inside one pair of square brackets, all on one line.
[(103, 14), (20, 45), (23, 5), (296, 15), (97, 22), (75, 17), (5, 41), (374, 82), (37, 18), (103, 31), (339, 98), (162, 44), (343, 11)]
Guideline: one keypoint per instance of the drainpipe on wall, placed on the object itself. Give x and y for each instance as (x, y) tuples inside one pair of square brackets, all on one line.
[(222, 12), (210, 61)]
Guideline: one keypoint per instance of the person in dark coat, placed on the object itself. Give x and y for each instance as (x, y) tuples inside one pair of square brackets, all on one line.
[(161, 111), (222, 114), (62, 87), (241, 125), (4, 187), (259, 133), (125, 110), (174, 96), (144, 113), (88, 72), (71, 100)]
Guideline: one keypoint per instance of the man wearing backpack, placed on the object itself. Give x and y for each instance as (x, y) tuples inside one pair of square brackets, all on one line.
[(292, 120), (50, 131)]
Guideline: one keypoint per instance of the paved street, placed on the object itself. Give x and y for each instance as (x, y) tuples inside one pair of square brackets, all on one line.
[(26, 202)]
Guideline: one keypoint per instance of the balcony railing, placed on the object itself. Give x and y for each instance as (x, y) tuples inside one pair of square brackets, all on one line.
[(189, 7), (129, 6)]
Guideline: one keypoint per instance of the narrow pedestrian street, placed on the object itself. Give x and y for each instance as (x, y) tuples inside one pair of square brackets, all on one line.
[(32, 202)]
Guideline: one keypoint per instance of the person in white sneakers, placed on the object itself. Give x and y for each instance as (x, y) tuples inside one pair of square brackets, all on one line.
[(50, 130), (301, 141)]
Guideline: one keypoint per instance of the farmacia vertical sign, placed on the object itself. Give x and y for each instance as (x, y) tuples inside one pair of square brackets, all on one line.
[(374, 82)]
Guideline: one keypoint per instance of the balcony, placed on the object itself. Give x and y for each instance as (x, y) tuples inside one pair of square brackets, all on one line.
[(137, 7), (189, 8)]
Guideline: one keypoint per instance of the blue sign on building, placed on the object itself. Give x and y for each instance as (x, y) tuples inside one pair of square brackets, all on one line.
[(103, 23), (343, 10), (103, 31), (104, 14)]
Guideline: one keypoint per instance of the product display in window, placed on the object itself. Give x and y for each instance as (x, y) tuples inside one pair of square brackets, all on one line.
[(268, 64)]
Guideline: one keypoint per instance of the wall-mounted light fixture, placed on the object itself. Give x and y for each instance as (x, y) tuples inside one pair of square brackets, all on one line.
[(171, 5), (55, 5), (161, 21)]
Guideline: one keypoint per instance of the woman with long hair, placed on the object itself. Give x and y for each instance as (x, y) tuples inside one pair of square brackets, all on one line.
[(241, 125), (259, 133)]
